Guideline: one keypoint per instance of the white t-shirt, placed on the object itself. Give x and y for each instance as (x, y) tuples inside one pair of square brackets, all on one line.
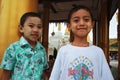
[(80, 63)]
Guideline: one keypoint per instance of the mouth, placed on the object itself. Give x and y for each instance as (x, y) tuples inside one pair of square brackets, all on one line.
[(81, 29), (35, 35)]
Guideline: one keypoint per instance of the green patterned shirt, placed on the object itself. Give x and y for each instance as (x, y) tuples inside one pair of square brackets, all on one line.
[(25, 62)]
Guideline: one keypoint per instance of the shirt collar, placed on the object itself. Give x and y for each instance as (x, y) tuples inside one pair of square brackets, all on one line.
[(24, 43)]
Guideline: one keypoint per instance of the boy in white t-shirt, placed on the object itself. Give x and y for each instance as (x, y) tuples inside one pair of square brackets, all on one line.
[(79, 60)]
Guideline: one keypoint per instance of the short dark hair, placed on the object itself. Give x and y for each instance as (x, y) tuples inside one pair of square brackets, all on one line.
[(76, 8), (28, 14)]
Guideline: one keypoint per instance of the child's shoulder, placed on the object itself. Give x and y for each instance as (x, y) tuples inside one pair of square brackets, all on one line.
[(97, 48), (14, 44), (65, 47)]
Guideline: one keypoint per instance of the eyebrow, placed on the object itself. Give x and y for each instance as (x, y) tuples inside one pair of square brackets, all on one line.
[(88, 16), (33, 23), (83, 17)]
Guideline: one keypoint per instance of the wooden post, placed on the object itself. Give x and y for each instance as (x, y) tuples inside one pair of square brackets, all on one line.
[(45, 24), (103, 29)]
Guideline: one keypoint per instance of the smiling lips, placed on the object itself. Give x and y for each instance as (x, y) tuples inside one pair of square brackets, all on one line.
[(34, 35), (81, 29)]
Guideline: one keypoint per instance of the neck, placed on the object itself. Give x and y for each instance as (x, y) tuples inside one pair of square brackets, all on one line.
[(80, 44)]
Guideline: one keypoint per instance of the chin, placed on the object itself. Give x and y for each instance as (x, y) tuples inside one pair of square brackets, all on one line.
[(82, 35), (34, 40)]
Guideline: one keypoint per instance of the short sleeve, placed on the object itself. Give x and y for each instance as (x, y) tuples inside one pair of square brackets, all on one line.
[(45, 65), (8, 59), (106, 72)]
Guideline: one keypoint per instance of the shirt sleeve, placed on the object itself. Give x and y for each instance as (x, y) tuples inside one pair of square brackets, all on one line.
[(56, 71), (46, 66), (8, 59), (106, 72)]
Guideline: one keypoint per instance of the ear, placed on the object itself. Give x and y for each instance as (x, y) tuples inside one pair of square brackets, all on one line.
[(68, 26), (20, 28), (93, 24)]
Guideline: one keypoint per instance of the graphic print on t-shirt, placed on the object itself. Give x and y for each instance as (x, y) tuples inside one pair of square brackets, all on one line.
[(81, 68)]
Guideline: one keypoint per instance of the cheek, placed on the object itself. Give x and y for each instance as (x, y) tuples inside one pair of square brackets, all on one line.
[(26, 31), (40, 32), (71, 29)]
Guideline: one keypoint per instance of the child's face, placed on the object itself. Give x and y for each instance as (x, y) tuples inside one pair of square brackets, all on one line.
[(80, 23), (32, 29)]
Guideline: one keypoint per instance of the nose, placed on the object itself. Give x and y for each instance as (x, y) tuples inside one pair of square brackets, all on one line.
[(81, 22), (35, 28)]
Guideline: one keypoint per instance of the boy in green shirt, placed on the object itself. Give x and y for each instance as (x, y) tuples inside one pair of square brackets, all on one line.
[(26, 58)]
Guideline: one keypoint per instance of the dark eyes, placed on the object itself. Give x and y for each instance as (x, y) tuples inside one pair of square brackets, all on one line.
[(76, 20), (85, 20), (31, 26), (39, 26)]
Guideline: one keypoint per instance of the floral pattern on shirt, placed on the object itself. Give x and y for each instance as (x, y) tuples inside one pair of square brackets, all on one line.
[(25, 62)]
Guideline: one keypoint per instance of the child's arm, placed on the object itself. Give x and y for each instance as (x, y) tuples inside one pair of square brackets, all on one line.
[(6, 74), (46, 75)]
